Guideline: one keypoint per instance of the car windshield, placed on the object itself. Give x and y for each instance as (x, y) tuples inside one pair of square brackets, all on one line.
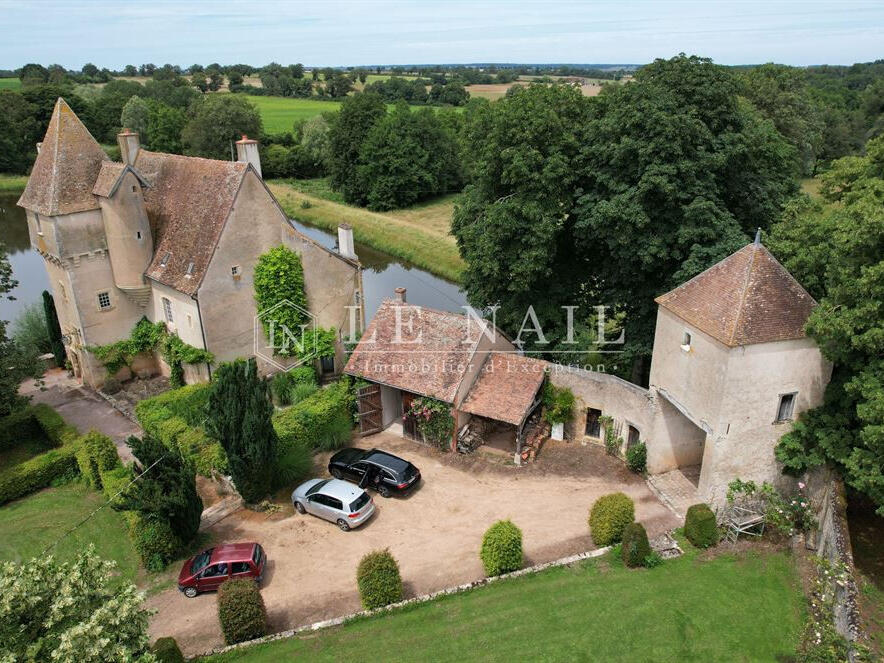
[(315, 487), (360, 502), (201, 561)]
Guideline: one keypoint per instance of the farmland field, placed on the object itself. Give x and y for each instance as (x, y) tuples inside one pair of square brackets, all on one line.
[(10, 84), (280, 113)]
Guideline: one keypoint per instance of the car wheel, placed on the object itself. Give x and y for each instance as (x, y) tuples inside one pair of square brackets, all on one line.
[(337, 474), (345, 527), (300, 508), (383, 491), (190, 592)]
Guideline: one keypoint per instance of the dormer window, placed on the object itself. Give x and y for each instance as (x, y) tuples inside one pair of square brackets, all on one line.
[(686, 342), (165, 259), (189, 271)]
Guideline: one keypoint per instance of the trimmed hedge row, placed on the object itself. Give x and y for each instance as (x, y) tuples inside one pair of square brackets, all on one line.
[(176, 419), (241, 611), (96, 453), (18, 426), (40, 471), (321, 422)]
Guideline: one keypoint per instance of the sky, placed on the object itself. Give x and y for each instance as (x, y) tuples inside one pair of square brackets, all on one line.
[(113, 33)]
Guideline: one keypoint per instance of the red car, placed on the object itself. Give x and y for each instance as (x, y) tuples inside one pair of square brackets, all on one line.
[(205, 572)]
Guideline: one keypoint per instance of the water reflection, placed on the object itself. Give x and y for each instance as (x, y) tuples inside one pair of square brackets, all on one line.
[(27, 265)]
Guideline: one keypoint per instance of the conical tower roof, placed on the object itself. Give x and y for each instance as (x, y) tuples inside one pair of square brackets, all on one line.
[(747, 298), (66, 168)]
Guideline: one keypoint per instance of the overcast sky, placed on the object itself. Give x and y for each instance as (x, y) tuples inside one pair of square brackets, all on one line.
[(113, 33)]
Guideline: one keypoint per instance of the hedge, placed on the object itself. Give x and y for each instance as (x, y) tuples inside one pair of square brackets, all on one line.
[(501, 548), (166, 650), (637, 458), (378, 579), (608, 518), (700, 527), (176, 419), (635, 547), (241, 611), (96, 453), (40, 471), (320, 422), (154, 540), (17, 427), (283, 384)]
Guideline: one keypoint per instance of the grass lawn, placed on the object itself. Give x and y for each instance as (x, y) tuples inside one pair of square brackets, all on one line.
[(12, 183), (10, 83), (747, 608), (419, 234), (30, 524), (280, 113)]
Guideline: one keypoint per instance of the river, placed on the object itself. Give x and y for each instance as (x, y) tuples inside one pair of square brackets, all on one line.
[(382, 272)]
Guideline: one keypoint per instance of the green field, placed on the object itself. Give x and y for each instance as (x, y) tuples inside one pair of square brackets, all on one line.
[(9, 83), (29, 525), (745, 608), (280, 113), (12, 183)]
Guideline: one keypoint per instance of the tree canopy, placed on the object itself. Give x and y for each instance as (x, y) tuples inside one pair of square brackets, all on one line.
[(216, 121)]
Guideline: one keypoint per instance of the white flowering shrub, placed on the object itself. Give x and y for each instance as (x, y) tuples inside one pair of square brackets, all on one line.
[(54, 611)]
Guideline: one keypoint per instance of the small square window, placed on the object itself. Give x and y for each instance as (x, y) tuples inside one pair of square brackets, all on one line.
[(134, 188), (234, 271), (686, 342), (786, 408), (104, 301)]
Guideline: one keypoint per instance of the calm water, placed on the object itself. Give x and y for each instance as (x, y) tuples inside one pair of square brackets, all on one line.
[(381, 275), (27, 265)]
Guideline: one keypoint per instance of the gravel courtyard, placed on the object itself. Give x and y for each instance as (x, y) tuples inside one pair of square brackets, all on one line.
[(435, 533)]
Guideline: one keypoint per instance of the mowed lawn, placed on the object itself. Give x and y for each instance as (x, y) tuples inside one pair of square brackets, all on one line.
[(10, 83), (419, 234), (29, 525), (746, 608)]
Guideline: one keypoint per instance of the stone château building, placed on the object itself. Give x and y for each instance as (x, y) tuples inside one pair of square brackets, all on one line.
[(167, 237)]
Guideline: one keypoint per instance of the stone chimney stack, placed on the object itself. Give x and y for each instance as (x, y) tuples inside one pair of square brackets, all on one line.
[(129, 145), (39, 145), (247, 152), (345, 241), (400, 295)]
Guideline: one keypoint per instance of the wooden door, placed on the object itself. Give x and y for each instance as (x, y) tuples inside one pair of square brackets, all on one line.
[(409, 425), (371, 410)]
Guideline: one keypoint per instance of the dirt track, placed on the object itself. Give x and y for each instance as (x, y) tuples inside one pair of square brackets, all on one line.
[(435, 533)]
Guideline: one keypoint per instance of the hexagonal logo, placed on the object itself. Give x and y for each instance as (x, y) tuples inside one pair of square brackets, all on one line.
[(285, 335)]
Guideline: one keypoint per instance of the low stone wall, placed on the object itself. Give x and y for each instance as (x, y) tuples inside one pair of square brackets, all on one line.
[(832, 541)]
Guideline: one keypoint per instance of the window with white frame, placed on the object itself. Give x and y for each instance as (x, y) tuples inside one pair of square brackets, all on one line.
[(786, 408), (104, 300), (235, 271), (167, 310)]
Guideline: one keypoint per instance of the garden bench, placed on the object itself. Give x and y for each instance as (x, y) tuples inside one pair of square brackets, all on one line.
[(743, 520)]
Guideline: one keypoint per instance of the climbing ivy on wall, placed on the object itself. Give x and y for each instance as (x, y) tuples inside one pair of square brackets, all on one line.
[(148, 336)]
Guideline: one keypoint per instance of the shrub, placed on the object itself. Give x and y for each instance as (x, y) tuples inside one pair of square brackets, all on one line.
[(653, 560), (241, 611), (501, 548), (559, 403), (187, 402), (19, 426), (637, 458), (294, 463), (284, 384), (154, 540), (96, 453), (191, 442), (608, 518), (36, 473), (700, 527), (635, 548), (378, 579), (166, 650), (320, 422), (114, 481), (300, 392)]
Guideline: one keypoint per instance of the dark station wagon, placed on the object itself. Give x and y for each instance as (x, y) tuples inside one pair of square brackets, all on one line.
[(375, 469), (205, 572)]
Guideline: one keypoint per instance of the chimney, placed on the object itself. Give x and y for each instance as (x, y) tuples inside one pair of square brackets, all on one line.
[(129, 145), (39, 145), (400, 295), (247, 152), (758, 237), (345, 241)]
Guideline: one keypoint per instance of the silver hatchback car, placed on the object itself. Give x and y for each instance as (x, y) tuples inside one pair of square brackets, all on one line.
[(340, 502)]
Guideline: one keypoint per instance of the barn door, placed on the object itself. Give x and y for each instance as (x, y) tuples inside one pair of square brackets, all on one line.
[(371, 410)]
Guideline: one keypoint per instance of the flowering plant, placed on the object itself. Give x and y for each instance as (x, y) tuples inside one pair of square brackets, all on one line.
[(433, 419), (787, 514)]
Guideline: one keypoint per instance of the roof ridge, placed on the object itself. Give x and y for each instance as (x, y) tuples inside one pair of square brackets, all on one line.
[(749, 269)]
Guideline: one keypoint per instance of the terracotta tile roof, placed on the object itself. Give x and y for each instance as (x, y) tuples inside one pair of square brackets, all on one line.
[(109, 178), (188, 201), (746, 298), (66, 169), (433, 367), (505, 388)]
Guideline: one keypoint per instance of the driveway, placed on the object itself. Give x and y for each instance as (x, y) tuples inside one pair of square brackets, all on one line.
[(435, 533)]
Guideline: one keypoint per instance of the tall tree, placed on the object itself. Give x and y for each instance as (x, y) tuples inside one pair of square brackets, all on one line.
[(216, 121), (836, 249), (239, 417), (54, 329), (135, 116), (19, 132), (166, 488), (358, 114)]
